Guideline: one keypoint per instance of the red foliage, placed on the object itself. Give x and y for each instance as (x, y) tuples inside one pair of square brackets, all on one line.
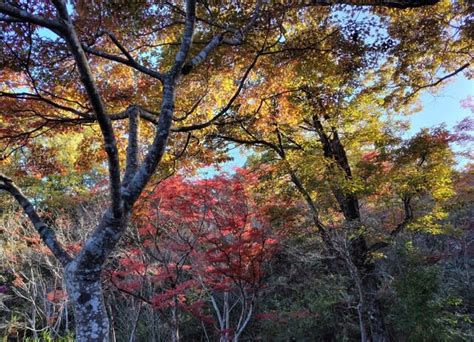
[(215, 222), (56, 296), (196, 236)]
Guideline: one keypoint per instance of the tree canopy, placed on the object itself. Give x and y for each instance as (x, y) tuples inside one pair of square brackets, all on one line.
[(120, 105)]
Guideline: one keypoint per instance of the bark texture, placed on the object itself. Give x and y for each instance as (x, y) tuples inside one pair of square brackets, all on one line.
[(85, 293)]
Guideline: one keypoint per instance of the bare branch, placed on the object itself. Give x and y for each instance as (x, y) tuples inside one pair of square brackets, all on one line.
[(45, 232), (437, 82), (22, 15), (38, 97), (191, 110), (129, 60), (132, 148), (253, 142), (92, 91)]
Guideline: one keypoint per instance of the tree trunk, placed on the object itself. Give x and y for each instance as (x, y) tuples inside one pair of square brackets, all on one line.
[(113, 338), (378, 330), (174, 321), (85, 293), (359, 255)]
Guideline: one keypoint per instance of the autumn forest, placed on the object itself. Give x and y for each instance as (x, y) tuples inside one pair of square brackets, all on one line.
[(236, 170)]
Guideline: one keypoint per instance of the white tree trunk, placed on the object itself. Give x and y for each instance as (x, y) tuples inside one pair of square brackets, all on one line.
[(90, 314)]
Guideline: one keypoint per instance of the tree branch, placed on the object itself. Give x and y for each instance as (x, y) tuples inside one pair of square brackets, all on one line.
[(129, 60), (92, 91), (187, 40), (24, 16), (228, 105), (38, 97), (157, 148), (434, 84), (45, 232), (407, 219), (202, 55), (144, 114), (294, 178), (385, 3), (132, 148)]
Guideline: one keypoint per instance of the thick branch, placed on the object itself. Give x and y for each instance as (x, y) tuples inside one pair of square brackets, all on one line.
[(92, 91), (333, 149), (187, 39), (202, 55), (22, 15), (218, 39), (407, 219), (144, 114), (157, 148), (45, 232), (132, 148)]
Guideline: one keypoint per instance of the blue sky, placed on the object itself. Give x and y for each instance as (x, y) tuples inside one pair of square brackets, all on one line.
[(438, 108), (442, 107)]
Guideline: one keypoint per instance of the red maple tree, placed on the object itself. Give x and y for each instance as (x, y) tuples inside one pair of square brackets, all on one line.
[(204, 244)]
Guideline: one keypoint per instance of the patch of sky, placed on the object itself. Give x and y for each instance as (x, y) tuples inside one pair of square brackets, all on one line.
[(444, 108), (238, 159), (46, 33)]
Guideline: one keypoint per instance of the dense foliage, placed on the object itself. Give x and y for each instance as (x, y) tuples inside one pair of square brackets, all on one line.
[(339, 227)]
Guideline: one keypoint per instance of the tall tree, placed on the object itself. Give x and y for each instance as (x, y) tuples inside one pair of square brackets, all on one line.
[(70, 65), (330, 128)]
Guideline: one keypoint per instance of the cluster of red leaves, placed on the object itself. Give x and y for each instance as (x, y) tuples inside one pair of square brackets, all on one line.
[(56, 296), (229, 239), (201, 235)]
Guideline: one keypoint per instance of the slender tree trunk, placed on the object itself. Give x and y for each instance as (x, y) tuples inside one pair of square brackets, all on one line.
[(112, 322), (90, 314), (174, 322), (135, 324), (361, 306)]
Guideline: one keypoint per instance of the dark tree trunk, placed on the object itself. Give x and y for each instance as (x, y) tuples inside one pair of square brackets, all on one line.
[(378, 331), (370, 287), (359, 252)]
